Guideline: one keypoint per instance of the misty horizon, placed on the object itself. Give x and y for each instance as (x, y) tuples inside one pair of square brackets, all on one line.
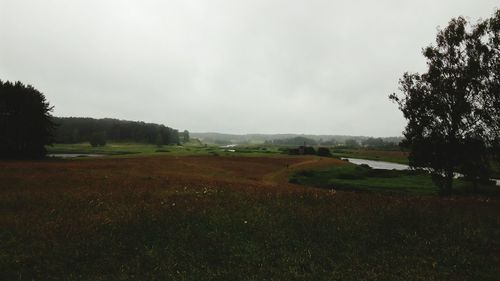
[(239, 134)]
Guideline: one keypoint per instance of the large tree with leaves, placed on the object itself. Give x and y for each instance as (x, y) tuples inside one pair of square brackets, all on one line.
[(453, 110), (25, 121)]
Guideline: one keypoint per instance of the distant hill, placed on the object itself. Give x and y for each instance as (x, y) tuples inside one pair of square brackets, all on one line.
[(223, 139)]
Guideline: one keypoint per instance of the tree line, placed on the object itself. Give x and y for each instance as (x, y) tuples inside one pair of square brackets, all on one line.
[(296, 141), (77, 130), (27, 126), (375, 143)]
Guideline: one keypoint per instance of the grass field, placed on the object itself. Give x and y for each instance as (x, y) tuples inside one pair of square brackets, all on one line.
[(394, 156), (353, 177), (362, 178), (150, 149), (194, 148), (229, 218)]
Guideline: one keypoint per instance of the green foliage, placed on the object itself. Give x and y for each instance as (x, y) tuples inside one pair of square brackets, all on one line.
[(388, 155), (331, 142), (185, 136), (25, 121), (159, 140), (364, 178), (114, 148), (302, 150), (77, 130), (293, 141), (351, 143), (98, 139), (453, 110), (324, 151), (379, 143)]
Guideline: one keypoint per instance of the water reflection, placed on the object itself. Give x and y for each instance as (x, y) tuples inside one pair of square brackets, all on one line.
[(378, 164), (73, 155), (389, 166)]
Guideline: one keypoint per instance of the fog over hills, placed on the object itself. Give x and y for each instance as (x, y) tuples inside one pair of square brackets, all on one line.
[(211, 137)]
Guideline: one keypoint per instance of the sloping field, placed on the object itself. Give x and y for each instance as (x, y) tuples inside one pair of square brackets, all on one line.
[(229, 218), (154, 171)]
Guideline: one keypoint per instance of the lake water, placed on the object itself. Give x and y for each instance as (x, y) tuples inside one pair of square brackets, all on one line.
[(73, 155)]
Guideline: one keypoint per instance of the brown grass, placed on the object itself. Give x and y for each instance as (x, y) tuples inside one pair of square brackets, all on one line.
[(229, 218)]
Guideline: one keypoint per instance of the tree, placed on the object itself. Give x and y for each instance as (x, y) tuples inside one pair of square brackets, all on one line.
[(324, 151), (77, 129), (351, 143), (295, 141), (25, 121), (453, 108), (98, 139), (374, 142), (159, 140), (331, 142), (185, 136)]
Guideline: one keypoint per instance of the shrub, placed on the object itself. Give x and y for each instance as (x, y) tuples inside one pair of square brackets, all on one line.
[(98, 139), (324, 151)]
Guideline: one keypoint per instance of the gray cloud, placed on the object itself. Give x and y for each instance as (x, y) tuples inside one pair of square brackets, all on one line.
[(230, 66)]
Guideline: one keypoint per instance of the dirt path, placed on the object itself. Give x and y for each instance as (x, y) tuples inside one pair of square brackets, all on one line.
[(281, 176)]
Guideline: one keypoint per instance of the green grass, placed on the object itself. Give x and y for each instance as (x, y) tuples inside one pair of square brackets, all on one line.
[(363, 178), (109, 149), (377, 155), (150, 149), (194, 148), (392, 156)]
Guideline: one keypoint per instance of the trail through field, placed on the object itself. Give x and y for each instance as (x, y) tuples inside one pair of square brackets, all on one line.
[(280, 177), (164, 172)]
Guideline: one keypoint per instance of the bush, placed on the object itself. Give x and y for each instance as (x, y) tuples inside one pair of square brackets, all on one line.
[(309, 150), (324, 151), (98, 139)]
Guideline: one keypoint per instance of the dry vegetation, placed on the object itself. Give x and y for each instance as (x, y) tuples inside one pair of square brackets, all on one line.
[(229, 218)]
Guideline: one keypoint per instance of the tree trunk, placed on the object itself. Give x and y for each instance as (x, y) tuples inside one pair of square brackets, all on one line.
[(475, 186), (448, 182)]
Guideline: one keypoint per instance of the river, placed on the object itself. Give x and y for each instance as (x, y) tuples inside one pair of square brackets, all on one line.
[(73, 155), (382, 165), (378, 164)]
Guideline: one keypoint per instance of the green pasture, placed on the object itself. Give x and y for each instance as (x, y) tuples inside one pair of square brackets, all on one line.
[(363, 178), (141, 149)]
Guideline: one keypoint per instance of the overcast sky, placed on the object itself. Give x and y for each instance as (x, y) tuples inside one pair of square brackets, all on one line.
[(255, 66)]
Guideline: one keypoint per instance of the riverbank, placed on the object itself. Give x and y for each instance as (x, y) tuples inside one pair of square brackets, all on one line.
[(379, 176)]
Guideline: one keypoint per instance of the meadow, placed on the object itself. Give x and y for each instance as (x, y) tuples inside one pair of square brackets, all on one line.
[(141, 149), (394, 156), (363, 178), (164, 216)]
